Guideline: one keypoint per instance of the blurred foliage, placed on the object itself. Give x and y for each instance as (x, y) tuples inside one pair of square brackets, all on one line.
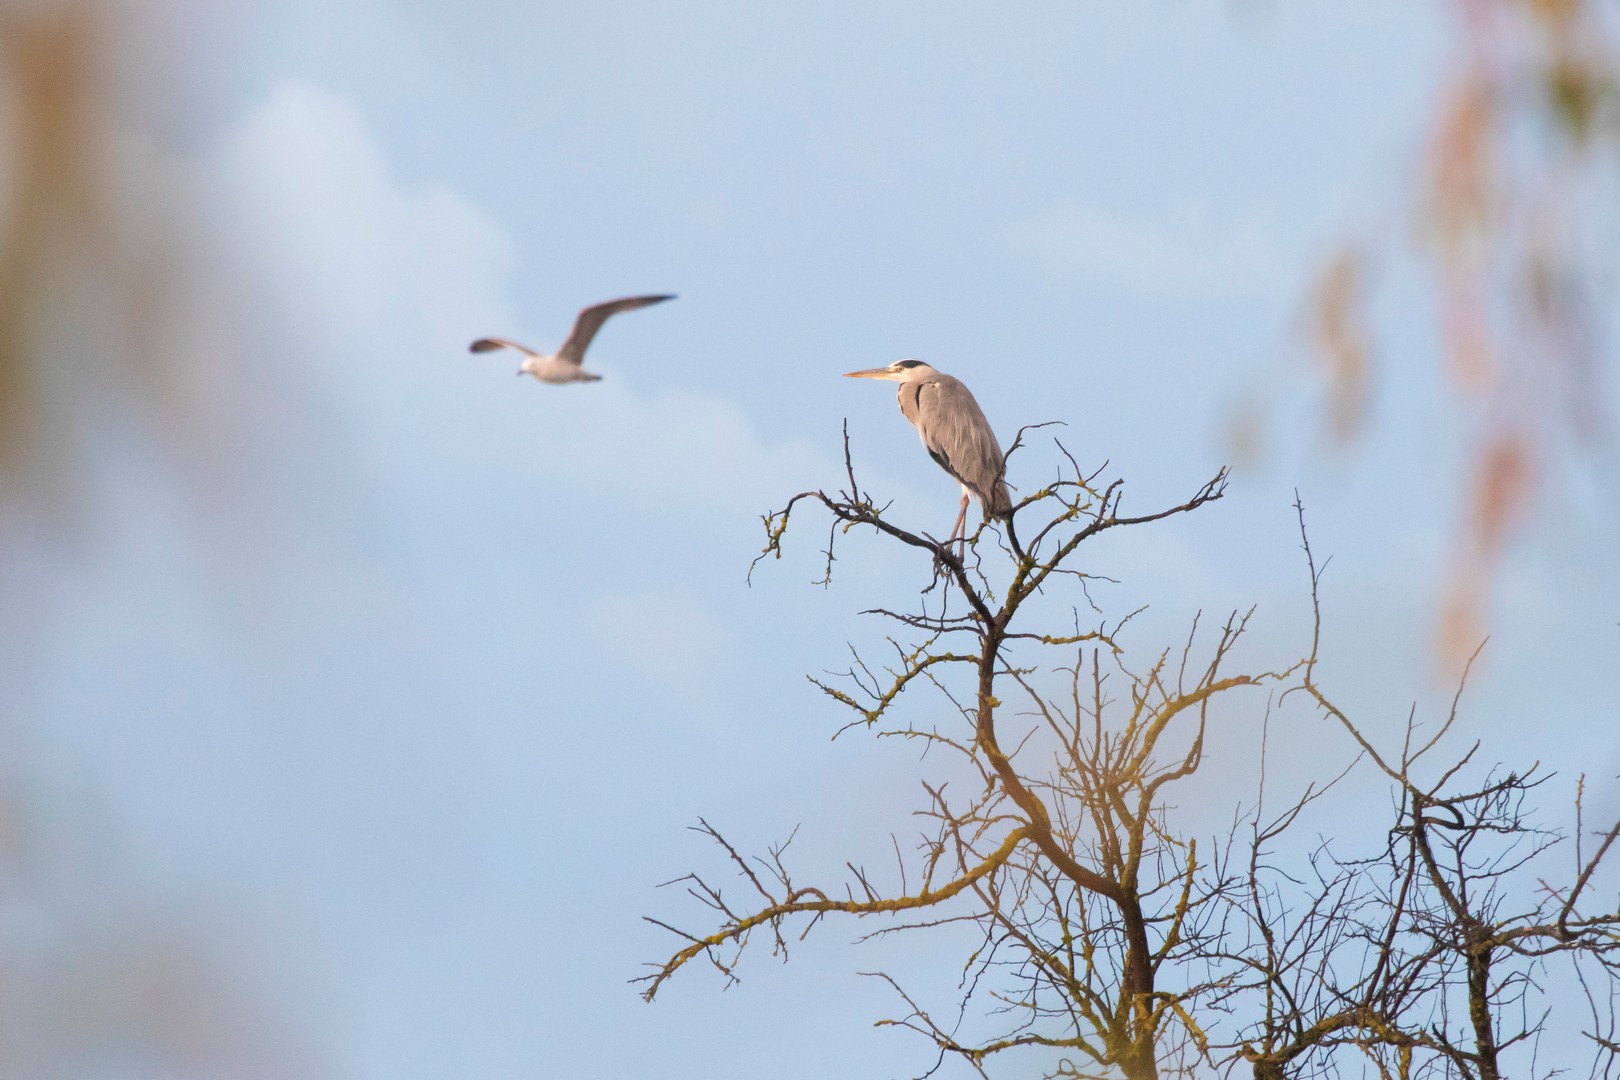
[(99, 983), (109, 973), (87, 268), (1515, 189)]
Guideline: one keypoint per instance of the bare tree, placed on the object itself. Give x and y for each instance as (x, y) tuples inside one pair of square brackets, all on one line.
[(1101, 942), (1085, 904), (1441, 954)]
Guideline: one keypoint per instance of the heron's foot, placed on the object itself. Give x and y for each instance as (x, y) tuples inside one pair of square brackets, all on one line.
[(956, 545)]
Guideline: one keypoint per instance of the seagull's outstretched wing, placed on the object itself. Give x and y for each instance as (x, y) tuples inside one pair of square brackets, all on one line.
[(490, 344), (591, 319)]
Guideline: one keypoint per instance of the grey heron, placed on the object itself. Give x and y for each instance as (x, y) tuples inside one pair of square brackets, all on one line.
[(953, 431), (565, 365)]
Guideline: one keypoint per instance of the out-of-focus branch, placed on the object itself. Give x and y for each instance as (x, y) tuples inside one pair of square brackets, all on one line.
[(84, 289), (1515, 179)]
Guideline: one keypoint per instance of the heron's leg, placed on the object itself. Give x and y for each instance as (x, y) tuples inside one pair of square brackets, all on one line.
[(960, 528)]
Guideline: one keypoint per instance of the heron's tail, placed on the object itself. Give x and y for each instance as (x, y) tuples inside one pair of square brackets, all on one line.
[(999, 505)]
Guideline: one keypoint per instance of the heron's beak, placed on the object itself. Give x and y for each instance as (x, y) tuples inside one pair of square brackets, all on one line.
[(521, 372), (870, 373)]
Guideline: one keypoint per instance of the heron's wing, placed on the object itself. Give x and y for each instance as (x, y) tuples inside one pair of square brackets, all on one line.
[(590, 321), (957, 435), (490, 344)]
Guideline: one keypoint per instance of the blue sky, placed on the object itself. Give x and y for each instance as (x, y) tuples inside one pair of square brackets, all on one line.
[(398, 714)]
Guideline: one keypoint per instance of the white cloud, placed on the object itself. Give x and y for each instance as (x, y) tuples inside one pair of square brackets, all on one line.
[(352, 247), (1185, 252), (379, 283)]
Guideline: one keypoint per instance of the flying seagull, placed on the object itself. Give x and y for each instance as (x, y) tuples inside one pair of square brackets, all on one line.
[(563, 366), (953, 431)]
